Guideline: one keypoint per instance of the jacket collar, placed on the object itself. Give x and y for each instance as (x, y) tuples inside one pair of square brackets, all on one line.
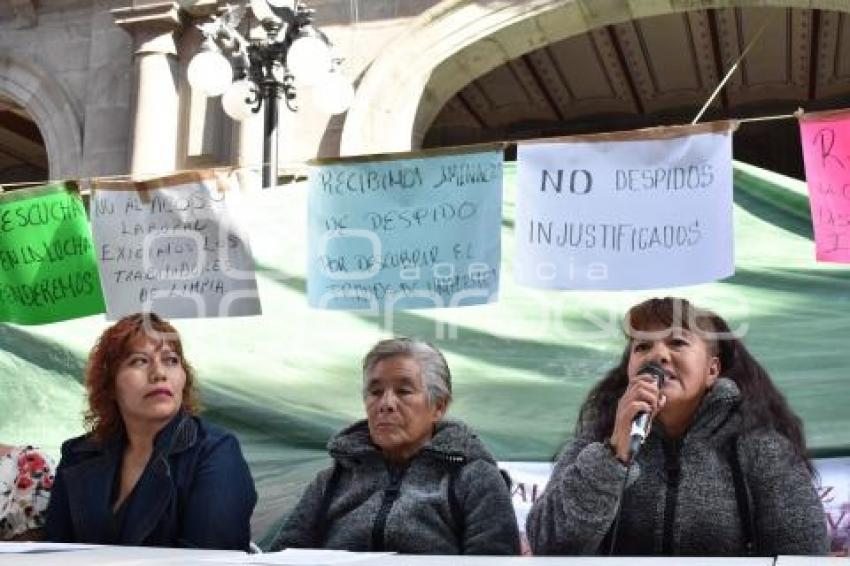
[(715, 410), (453, 441), (717, 405), (179, 434), (90, 482)]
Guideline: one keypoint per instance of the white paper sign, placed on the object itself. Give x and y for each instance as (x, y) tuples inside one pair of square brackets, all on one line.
[(42, 547), (625, 214), (299, 557), (393, 234), (172, 246), (528, 480), (834, 491)]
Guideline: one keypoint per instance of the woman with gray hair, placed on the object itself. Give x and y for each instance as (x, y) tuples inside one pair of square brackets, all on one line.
[(404, 479)]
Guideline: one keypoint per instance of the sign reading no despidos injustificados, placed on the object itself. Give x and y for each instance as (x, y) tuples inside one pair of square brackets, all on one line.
[(635, 210)]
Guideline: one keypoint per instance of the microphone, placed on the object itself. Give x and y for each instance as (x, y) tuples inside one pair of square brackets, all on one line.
[(640, 424)]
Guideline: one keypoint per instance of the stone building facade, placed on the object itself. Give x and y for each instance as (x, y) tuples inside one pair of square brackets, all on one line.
[(97, 87)]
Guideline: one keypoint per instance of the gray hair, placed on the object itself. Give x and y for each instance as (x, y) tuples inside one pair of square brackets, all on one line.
[(436, 376)]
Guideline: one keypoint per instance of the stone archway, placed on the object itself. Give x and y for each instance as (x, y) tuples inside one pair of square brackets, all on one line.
[(457, 41), (50, 107)]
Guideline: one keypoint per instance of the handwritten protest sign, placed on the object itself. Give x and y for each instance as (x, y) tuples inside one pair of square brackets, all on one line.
[(390, 233), (48, 271), (634, 210), (826, 153), (834, 490), (172, 246)]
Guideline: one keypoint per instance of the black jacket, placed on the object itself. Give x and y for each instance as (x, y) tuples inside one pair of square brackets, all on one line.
[(196, 491)]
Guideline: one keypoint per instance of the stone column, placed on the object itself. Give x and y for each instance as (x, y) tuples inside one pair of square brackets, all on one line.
[(247, 150), (153, 141)]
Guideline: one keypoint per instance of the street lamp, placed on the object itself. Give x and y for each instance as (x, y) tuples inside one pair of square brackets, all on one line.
[(292, 53)]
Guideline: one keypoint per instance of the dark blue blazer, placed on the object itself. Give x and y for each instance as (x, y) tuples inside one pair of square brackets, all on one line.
[(196, 491)]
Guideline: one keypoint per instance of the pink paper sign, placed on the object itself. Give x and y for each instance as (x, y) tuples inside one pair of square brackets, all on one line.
[(826, 152)]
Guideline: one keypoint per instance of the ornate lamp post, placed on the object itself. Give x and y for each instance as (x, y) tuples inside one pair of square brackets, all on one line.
[(292, 53)]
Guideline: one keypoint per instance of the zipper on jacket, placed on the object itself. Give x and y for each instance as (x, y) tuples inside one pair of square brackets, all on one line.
[(673, 469), (391, 493)]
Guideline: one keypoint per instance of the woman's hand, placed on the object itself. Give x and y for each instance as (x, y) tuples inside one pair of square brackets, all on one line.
[(642, 395)]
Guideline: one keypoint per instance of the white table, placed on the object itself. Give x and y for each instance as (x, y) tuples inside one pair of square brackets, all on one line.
[(145, 556)]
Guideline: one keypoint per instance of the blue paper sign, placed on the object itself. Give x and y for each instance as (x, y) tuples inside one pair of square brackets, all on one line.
[(392, 234)]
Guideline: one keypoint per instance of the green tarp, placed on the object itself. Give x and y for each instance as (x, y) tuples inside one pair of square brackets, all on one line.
[(288, 379)]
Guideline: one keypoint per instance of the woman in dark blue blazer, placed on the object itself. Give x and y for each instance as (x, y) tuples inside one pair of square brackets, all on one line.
[(149, 472)]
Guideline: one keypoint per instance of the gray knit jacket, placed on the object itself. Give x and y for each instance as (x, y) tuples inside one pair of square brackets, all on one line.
[(366, 512), (694, 515)]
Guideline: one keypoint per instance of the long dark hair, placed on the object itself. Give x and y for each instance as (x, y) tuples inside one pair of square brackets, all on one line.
[(763, 405)]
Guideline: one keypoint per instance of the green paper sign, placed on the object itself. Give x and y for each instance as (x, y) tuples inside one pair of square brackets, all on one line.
[(48, 270)]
